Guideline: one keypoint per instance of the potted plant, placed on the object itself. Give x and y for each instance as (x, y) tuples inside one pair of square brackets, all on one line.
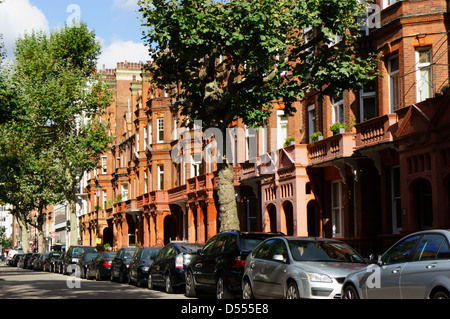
[(338, 128), (289, 141), (316, 136)]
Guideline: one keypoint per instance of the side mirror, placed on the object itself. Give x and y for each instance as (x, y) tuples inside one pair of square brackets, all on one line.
[(279, 257)]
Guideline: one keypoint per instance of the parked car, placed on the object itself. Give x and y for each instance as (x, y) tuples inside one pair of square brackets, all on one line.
[(299, 267), (23, 262), (219, 266), (32, 260), (140, 263), (48, 261), (72, 255), (11, 254), (58, 264), (417, 266), (15, 259), (83, 261), (168, 267), (120, 264), (100, 267), (39, 262)]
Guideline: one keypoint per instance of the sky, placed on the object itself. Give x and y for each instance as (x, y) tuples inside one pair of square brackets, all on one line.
[(116, 24)]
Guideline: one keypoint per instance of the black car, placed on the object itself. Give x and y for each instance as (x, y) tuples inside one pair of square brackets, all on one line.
[(30, 264), (39, 261), (72, 255), (219, 266), (84, 260), (168, 268), (120, 264), (58, 264), (140, 263), (23, 262), (15, 259), (100, 267), (48, 261)]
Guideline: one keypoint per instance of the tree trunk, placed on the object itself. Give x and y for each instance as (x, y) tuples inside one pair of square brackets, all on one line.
[(228, 216), (24, 235), (73, 222)]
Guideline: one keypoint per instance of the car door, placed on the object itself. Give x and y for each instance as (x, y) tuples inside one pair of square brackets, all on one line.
[(417, 275), (257, 265), (392, 263), (201, 265), (117, 263), (157, 274), (134, 264)]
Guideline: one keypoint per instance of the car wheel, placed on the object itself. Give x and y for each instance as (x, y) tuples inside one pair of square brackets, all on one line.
[(247, 292), (350, 293), (150, 282), (222, 291), (169, 287), (441, 295), (190, 285), (292, 291)]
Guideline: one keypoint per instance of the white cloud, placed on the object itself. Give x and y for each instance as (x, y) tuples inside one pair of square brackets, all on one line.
[(121, 51), (125, 4), (18, 17)]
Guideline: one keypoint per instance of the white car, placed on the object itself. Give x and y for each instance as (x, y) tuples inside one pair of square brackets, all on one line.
[(416, 267), (299, 267)]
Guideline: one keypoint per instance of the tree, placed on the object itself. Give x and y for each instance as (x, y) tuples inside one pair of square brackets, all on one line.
[(232, 59), (59, 101)]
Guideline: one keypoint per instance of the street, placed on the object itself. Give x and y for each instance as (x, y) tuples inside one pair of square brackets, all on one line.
[(18, 283)]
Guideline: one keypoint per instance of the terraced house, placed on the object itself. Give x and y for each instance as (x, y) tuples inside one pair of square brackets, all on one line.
[(387, 173)]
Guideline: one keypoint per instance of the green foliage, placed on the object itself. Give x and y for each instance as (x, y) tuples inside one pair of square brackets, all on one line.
[(54, 133), (314, 136), (231, 59), (336, 126)]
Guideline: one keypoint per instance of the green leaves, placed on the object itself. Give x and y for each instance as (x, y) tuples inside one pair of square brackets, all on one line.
[(54, 133)]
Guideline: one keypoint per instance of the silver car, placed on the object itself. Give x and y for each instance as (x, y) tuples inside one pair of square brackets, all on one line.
[(299, 267), (416, 267)]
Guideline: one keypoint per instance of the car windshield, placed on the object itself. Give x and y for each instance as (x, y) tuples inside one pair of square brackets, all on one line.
[(307, 250), (128, 254), (147, 254)]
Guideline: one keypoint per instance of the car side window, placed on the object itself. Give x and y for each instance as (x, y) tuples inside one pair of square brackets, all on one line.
[(428, 247), (400, 252), (279, 248), (264, 250), (444, 250), (220, 243), (209, 245)]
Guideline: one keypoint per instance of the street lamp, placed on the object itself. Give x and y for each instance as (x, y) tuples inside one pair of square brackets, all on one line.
[(98, 191)]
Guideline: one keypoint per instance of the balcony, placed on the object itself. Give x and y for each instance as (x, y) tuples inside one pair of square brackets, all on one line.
[(376, 131), (334, 147)]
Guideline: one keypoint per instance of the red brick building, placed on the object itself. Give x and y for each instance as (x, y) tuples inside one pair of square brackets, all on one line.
[(385, 176)]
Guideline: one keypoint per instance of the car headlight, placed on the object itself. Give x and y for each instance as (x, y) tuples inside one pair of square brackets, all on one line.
[(145, 268), (313, 276)]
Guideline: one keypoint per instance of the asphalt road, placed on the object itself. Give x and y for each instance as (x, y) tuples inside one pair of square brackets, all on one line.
[(18, 283)]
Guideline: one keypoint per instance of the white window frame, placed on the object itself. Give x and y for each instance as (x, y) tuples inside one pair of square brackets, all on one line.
[(160, 177), (104, 198), (338, 110), (195, 167), (282, 120), (145, 182), (337, 210), (145, 138), (311, 120), (387, 3), (392, 75), (160, 130), (104, 168), (363, 95), (124, 192), (419, 67)]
